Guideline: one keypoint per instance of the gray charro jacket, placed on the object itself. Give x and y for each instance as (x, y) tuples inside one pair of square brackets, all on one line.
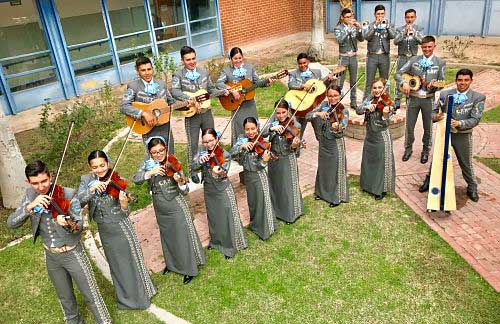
[(53, 234), (135, 92), (468, 113), (435, 72), (378, 39), (347, 38), (408, 46), (295, 80), (180, 84)]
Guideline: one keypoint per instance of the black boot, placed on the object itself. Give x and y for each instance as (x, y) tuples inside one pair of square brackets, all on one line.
[(472, 193), (425, 186), (424, 157), (242, 177), (165, 271), (407, 154), (187, 279)]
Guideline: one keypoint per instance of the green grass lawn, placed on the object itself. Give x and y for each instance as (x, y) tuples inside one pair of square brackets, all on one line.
[(365, 261), (492, 163), (28, 296), (491, 116)]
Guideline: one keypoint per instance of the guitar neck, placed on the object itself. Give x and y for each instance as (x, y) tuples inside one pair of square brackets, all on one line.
[(177, 105)]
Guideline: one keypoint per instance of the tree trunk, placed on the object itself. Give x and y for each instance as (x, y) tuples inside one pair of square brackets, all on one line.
[(12, 178), (317, 49)]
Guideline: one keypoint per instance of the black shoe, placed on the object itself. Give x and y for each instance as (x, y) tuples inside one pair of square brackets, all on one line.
[(227, 257), (210, 247), (288, 223), (473, 195), (379, 197), (424, 157), (242, 177), (332, 205), (187, 279), (195, 178), (317, 197), (406, 155), (425, 186), (165, 271)]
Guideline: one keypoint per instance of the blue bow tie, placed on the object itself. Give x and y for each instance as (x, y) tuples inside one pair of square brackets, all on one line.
[(152, 88), (459, 98), (240, 72), (425, 63), (306, 74), (151, 164), (192, 75)]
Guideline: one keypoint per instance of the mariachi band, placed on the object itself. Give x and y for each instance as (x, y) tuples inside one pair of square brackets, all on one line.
[(268, 154)]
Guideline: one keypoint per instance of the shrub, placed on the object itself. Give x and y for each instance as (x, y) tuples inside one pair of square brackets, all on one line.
[(457, 46)]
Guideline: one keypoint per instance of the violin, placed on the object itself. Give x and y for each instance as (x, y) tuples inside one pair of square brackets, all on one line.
[(338, 114), (171, 165), (216, 158), (382, 101), (116, 184), (261, 145), (59, 205), (290, 131)]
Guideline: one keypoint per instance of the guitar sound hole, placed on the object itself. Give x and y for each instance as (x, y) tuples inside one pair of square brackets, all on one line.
[(313, 89), (156, 113), (412, 83)]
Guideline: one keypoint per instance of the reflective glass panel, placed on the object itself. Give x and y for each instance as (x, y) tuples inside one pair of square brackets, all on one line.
[(166, 12), (21, 35), (172, 47), (170, 32), (203, 25), (132, 55), (132, 41), (199, 9), (205, 38), (127, 16), (93, 65)]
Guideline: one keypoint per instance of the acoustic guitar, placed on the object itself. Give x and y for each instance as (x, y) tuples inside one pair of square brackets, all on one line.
[(246, 89), (303, 101), (159, 108), (416, 82), (202, 96)]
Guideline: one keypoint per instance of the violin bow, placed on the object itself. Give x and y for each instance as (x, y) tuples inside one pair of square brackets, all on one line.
[(71, 125), (267, 121), (224, 130), (345, 94), (121, 152)]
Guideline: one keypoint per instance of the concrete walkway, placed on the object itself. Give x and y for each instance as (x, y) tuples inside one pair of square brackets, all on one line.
[(473, 230)]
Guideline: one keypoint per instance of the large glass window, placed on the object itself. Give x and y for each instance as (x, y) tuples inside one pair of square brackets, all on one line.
[(130, 28), (24, 54), (85, 35), (202, 22), (169, 23)]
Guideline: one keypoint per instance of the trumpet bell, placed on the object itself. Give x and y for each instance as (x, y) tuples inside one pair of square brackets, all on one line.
[(365, 23)]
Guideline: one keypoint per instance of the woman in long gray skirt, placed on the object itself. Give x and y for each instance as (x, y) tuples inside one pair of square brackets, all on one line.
[(180, 243), (377, 165), (236, 72), (131, 280), (284, 172), (331, 176), (224, 222), (262, 218)]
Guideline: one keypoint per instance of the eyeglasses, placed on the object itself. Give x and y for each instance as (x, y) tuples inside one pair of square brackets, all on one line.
[(159, 152)]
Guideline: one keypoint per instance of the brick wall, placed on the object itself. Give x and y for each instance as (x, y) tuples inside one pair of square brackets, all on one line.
[(248, 21)]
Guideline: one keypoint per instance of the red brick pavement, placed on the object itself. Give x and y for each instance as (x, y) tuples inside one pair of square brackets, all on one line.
[(473, 230)]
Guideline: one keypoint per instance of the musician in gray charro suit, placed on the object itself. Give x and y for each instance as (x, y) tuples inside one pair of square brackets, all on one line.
[(378, 35), (408, 38), (298, 78), (191, 79), (468, 107), (430, 68), (348, 34), (64, 255), (145, 89)]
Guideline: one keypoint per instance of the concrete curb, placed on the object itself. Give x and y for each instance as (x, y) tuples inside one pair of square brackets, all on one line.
[(16, 242)]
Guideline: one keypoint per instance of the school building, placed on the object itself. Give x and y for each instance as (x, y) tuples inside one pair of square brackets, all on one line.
[(57, 49)]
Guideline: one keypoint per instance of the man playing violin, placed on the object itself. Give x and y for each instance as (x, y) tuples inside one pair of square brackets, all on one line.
[(192, 78), (146, 89), (348, 34), (430, 69), (408, 37), (65, 258)]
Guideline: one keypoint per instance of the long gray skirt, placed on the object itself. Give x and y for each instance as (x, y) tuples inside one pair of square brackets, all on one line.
[(133, 286), (247, 109), (224, 222), (285, 190), (180, 243), (378, 173), (331, 176), (262, 218)]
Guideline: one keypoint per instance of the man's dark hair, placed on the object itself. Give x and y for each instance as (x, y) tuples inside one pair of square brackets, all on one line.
[(35, 168), (428, 39), (410, 11), (142, 60), (186, 50), (463, 72), (379, 7), (345, 11), (303, 56)]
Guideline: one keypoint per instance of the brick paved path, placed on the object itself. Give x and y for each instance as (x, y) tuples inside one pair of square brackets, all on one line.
[(473, 230)]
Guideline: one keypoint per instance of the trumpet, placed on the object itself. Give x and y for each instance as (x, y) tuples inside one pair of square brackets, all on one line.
[(365, 24), (384, 21), (409, 30)]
